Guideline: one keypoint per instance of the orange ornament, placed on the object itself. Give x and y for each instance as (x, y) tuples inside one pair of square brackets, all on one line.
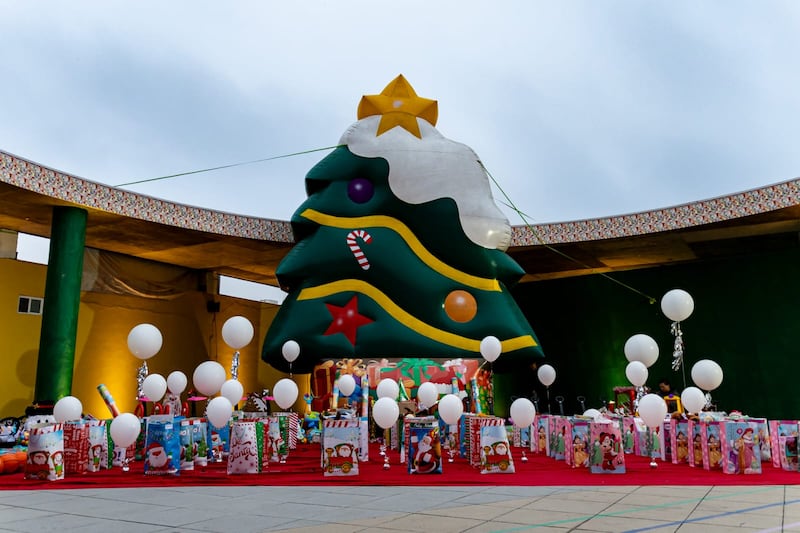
[(460, 306), (2, 464)]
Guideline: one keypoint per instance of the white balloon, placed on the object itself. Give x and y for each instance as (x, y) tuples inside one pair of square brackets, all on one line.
[(219, 411), (592, 413), (237, 332), (388, 388), (636, 373), (641, 347), (491, 348), (546, 374), (176, 382), (450, 409), (144, 341), (67, 409), (347, 385), (208, 377), (385, 412), (125, 429), (290, 351), (232, 390), (153, 387), (522, 412), (693, 399), (677, 305), (427, 394), (285, 393), (652, 409), (707, 374)]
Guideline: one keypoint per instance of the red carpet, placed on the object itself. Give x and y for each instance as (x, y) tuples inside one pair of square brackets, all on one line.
[(303, 468)]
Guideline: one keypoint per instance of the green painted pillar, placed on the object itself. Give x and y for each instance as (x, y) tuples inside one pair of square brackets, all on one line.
[(62, 297)]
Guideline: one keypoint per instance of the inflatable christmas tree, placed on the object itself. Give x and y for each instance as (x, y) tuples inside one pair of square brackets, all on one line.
[(400, 248)]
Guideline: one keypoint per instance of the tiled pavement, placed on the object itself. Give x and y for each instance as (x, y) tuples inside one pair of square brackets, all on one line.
[(443, 509)]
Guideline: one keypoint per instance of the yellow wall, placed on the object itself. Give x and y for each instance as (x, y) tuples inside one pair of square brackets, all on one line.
[(19, 334), (191, 335)]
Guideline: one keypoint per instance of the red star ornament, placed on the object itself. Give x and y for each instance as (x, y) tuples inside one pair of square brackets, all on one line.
[(346, 319)]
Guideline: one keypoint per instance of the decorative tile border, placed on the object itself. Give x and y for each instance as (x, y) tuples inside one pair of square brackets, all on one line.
[(37, 178), (753, 202)]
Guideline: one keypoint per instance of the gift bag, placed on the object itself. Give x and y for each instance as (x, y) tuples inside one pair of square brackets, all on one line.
[(277, 435), (562, 437), (162, 448), (45, 453), (76, 447), (495, 452), (340, 447), (423, 445), (741, 453), (199, 430), (189, 446), (629, 435), (607, 455), (761, 428), (711, 445), (542, 441), (291, 425), (218, 441), (100, 453), (783, 441), (578, 456), (246, 448), (696, 439), (679, 436)]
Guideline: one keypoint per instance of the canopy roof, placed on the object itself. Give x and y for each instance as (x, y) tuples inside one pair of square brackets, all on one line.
[(250, 248)]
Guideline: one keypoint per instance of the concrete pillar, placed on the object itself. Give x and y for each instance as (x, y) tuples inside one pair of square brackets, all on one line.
[(62, 297)]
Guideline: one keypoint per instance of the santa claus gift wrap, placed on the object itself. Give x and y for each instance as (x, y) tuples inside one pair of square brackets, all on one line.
[(45, 453), (162, 448), (495, 451), (423, 444), (340, 447)]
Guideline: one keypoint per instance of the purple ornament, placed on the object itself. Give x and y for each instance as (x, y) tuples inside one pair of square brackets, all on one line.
[(360, 190)]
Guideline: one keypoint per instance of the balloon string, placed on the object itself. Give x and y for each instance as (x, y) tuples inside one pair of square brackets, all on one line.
[(510, 204), (228, 166)]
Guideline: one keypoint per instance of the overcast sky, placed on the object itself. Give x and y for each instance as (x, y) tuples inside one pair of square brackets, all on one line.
[(579, 109)]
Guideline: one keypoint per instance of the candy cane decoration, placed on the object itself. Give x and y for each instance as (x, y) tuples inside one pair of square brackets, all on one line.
[(356, 249)]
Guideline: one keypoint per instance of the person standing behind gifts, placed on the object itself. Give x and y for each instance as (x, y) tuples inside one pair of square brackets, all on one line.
[(669, 394)]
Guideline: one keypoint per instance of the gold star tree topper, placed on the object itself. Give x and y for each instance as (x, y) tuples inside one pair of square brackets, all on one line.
[(398, 105)]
